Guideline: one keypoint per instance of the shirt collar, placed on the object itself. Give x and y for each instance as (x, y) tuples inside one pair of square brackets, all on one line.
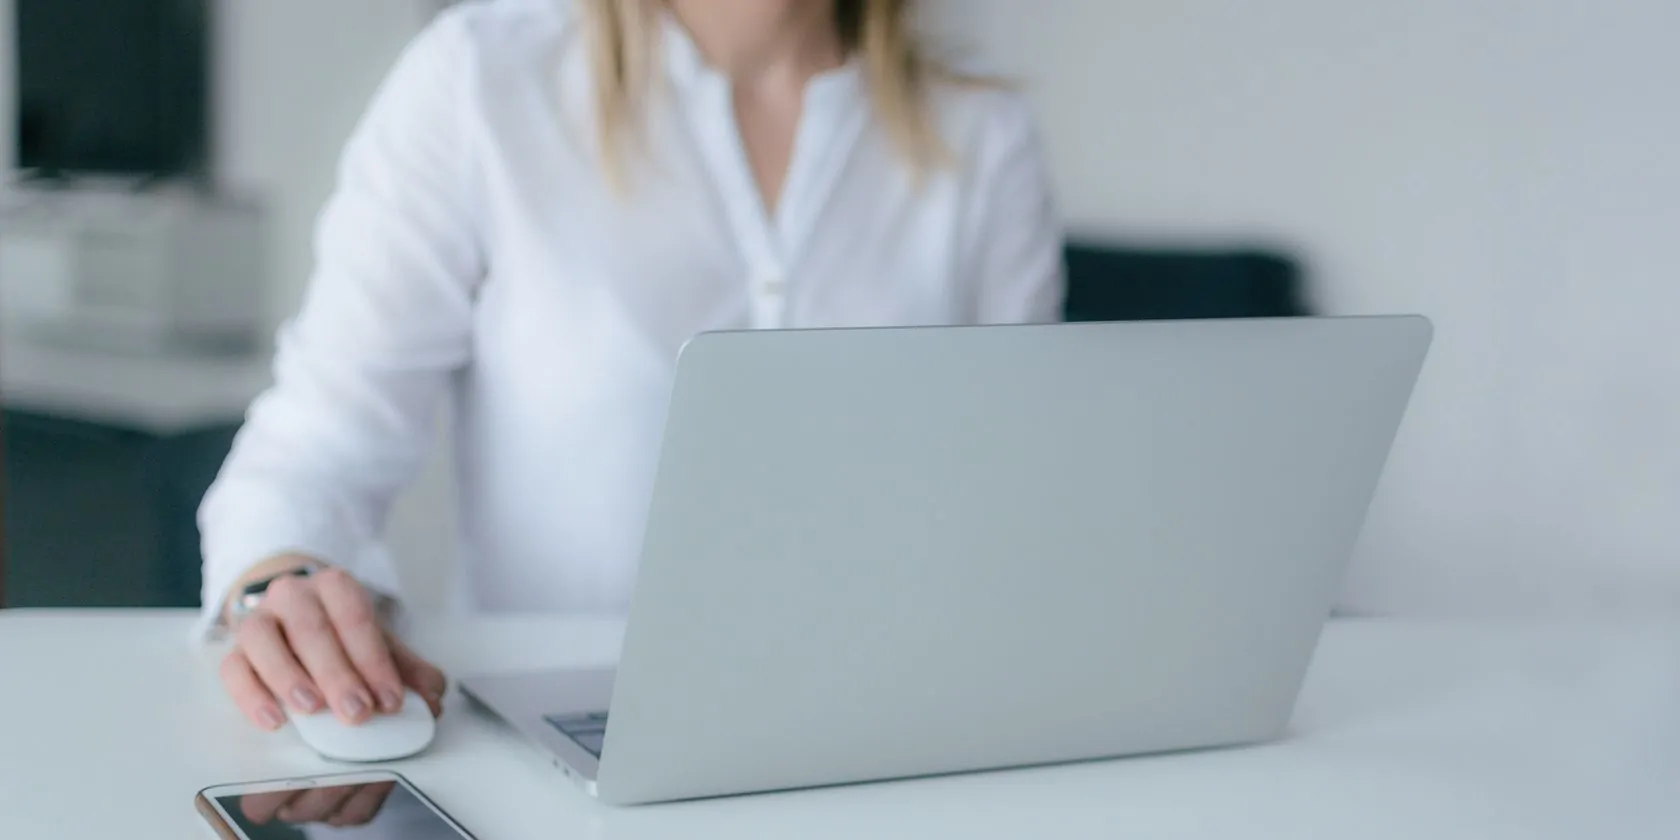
[(688, 69)]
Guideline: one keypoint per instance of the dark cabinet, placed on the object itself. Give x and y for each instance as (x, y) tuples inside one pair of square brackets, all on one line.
[(104, 516)]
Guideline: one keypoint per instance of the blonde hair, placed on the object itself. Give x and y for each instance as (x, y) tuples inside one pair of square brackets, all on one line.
[(624, 38)]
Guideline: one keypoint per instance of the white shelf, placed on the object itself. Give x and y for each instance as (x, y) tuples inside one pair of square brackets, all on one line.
[(158, 394)]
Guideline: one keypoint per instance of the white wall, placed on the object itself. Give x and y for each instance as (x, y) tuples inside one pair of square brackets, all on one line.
[(1509, 167), (292, 79)]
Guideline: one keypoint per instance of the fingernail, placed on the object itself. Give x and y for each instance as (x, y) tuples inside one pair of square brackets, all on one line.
[(391, 700), (307, 700), (355, 705), (271, 718)]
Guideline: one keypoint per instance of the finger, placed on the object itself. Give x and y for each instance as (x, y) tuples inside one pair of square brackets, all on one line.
[(420, 675), (265, 646), (261, 808), (351, 612), (315, 641), (248, 692), (363, 806), (317, 804)]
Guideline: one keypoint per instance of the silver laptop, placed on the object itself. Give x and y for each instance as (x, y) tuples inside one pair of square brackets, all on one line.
[(886, 553)]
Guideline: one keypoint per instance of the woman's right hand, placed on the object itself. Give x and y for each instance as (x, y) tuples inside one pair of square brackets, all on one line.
[(316, 642)]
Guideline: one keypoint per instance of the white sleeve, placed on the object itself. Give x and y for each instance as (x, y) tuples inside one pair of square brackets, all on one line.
[(1016, 249), (360, 370)]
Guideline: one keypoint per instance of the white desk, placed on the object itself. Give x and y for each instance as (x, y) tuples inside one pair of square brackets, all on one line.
[(1404, 731)]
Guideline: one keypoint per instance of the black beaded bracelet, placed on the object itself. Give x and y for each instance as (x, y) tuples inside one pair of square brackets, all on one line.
[(251, 595)]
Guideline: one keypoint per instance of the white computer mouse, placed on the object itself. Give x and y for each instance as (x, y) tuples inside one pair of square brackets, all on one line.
[(383, 738)]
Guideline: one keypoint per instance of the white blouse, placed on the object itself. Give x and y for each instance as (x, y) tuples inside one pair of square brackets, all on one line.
[(474, 250)]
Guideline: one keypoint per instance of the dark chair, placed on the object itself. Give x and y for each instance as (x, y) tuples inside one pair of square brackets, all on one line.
[(1112, 282)]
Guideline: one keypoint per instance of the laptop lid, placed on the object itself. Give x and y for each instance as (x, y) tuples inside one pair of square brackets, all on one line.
[(881, 553)]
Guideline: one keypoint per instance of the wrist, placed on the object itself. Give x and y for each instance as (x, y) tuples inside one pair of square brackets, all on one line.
[(248, 589)]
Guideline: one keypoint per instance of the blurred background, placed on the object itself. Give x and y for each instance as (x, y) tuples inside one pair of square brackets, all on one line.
[(1507, 167)]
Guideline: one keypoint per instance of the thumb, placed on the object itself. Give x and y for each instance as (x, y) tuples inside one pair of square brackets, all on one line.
[(418, 674)]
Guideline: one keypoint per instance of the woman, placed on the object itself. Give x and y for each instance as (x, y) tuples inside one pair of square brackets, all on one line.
[(545, 200)]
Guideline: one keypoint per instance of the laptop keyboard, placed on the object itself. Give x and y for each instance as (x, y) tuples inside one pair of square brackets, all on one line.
[(587, 730)]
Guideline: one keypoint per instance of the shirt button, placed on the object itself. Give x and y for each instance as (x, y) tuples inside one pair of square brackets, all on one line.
[(771, 284)]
